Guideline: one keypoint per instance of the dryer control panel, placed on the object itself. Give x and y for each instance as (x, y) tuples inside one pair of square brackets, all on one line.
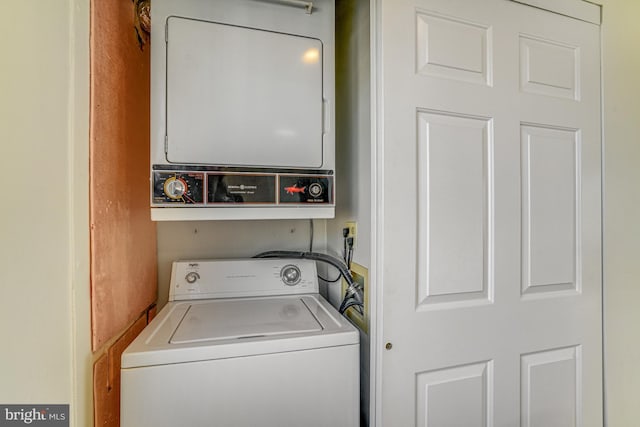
[(196, 188)]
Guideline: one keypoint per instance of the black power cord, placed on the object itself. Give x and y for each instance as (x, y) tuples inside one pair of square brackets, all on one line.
[(330, 281), (349, 256), (345, 233), (353, 294)]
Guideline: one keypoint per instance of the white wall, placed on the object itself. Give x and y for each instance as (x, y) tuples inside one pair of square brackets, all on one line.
[(621, 80), (44, 301), (353, 127), (353, 152), (230, 239)]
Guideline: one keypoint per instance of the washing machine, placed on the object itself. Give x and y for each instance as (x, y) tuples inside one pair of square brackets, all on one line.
[(243, 343)]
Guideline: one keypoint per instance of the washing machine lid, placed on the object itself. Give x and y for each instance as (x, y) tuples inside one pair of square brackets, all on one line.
[(240, 319), (200, 330)]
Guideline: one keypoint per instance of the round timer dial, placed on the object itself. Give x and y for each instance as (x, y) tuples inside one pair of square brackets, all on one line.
[(175, 187)]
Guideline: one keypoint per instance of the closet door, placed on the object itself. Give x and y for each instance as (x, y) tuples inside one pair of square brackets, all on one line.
[(490, 219)]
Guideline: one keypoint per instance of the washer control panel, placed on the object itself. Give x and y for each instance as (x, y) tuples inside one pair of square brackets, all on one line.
[(205, 279)]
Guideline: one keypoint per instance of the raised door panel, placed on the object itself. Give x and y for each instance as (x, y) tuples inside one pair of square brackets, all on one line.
[(549, 68), (456, 396), (551, 390), (550, 209), (454, 180), (453, 48)]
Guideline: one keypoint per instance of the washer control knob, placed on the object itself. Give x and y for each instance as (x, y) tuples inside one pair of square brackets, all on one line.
[(192, 277), (290, 274), (175, 187)]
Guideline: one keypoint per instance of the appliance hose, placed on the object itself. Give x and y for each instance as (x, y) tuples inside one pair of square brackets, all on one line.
[(353, 294)]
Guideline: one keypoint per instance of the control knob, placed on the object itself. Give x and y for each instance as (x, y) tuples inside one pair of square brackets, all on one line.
[(175, 187), (290, 274), (192, 277), (315, 189)]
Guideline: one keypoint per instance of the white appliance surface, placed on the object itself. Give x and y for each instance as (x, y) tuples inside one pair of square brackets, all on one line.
[(283, 357), (174, 336), (223, 320), (262, 108)]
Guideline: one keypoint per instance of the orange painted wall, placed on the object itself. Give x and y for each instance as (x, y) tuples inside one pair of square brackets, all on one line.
[(123, 238)]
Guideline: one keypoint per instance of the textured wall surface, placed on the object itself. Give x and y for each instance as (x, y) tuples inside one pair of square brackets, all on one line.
[(123, 238), (106, 375)]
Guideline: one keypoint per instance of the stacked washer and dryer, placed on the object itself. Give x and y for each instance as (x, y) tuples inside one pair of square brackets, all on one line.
[(242, 106)]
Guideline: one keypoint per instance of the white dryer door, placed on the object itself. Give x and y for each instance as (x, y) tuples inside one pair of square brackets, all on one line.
[(236, 319), (242, 96)]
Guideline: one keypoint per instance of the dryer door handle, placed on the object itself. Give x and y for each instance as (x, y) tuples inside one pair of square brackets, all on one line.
[(307, 5)]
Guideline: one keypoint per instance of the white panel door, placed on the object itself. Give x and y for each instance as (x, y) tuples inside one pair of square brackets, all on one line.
[(490, 216)]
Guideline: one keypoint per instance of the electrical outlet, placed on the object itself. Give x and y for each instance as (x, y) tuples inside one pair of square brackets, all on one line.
[(361, 276), (353, 230)]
